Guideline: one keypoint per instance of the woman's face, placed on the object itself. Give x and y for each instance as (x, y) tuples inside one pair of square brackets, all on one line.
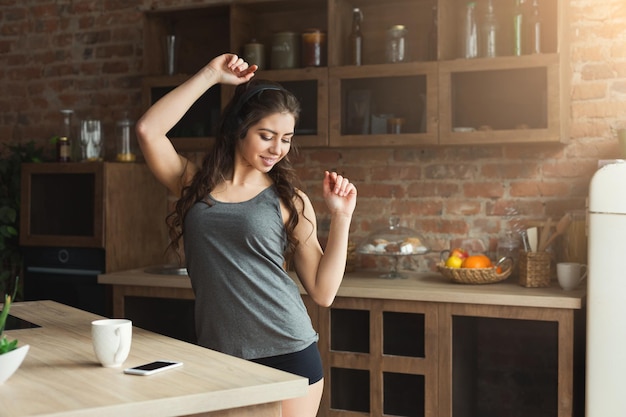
[(268, 141)]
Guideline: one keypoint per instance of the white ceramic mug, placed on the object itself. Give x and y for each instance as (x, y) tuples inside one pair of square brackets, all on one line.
[(111, 341), (570, 274)]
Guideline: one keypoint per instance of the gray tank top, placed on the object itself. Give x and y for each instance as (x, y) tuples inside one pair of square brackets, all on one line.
[(246, 304)]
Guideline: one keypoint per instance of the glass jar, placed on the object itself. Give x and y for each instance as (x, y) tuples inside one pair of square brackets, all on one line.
[(509, 246), (395, 125), (356, 38), (313, 48), (396, 44), (91, 140), (125, 141)]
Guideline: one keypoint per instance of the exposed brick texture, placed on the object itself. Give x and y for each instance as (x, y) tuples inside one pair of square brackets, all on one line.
[(87, 55)]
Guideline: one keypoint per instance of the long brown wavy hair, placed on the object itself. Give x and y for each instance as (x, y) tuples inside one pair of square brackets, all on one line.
[(251, 102)]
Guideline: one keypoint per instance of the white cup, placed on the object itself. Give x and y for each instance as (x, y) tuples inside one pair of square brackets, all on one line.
[(111, 341), (570, 274)]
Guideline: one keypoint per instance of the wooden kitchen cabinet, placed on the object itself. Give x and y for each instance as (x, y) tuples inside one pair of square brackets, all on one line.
[(380, 357), (423, 359), (423, 346), (362, 99), (443, 99), (114, 206), (507, 99)]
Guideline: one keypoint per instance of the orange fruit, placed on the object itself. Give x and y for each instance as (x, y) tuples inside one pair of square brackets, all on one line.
[(477, 261)]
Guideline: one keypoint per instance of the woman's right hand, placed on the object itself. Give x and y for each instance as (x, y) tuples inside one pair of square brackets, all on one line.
[(231, 69)]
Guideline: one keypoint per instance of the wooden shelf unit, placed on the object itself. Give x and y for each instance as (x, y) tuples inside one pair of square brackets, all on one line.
[(508, 99)]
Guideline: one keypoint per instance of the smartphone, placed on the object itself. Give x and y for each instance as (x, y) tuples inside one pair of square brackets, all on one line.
[(152, 367)]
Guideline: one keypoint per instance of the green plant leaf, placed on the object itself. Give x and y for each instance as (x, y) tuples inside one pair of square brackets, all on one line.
[(6, 346), (11, 158), (8, 214), (5, 312)]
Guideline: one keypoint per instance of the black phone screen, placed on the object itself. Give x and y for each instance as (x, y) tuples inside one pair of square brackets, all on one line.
[(152, 366)]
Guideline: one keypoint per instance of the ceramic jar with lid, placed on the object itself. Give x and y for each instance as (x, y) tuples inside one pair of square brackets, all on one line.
[(254, 54), (285, 50)]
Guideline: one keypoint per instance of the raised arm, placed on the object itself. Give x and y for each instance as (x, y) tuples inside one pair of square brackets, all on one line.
[(320, 272), (171, 169)]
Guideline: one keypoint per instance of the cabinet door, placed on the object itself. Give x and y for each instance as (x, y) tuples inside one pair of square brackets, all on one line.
[(196, 130), (380, 358), (496, 358), (501, 100), (260, 22), (505, 99), (383, 105), (310, 86)]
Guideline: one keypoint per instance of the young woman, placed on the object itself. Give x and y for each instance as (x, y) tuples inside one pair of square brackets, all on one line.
[(241, 216)]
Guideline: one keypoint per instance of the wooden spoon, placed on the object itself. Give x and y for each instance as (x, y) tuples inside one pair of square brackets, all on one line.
[(545, 230), (561, 227)]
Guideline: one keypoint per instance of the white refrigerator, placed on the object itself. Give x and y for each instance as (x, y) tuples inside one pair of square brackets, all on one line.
[(606, 294)]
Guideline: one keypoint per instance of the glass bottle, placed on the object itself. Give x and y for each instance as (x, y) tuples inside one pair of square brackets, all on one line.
[(489, 33), (356, 38), (534, 30), (432, 36), (64, 150), (469, 39), (396, 44), (67, 130), (125, 140), (518, 28)]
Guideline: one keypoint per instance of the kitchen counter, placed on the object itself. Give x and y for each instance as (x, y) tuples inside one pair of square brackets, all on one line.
[(61, 376), (428, 286), (440, 303)]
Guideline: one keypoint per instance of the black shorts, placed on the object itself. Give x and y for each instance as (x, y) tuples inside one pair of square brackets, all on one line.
[(306, 363)]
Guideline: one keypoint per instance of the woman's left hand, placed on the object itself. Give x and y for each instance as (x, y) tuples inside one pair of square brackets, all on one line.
[(339, 194)]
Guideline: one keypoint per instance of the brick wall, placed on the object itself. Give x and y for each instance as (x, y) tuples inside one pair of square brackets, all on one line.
[(86, 55)]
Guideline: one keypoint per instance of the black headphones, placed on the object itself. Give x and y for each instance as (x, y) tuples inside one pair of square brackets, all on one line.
[(251, 93)]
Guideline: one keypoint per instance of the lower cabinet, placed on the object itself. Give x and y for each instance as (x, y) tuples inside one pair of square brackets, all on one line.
[(167, 316), (406, 358), (427, 359), (380, 357)]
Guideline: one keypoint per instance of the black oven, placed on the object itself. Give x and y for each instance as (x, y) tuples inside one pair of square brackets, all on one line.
[(67, 275)]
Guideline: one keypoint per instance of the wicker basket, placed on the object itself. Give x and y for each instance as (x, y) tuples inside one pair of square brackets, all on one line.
[(534, 269), (478, 275)]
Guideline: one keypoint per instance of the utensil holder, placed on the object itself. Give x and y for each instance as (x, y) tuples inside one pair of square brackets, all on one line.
[(534, 269)]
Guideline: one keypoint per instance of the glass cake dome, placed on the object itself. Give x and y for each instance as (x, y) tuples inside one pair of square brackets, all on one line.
[(394, 241)]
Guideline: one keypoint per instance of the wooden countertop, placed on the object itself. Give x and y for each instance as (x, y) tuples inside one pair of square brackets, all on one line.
[(61, 376), (431, 287)]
